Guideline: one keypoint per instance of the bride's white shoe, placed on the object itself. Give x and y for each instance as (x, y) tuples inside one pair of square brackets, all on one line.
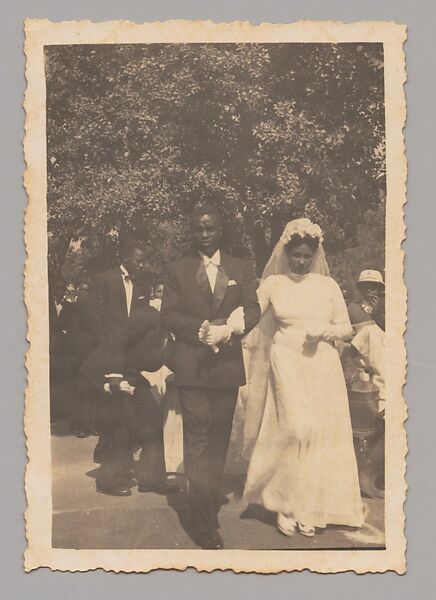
[(307, 530), (286, 525)]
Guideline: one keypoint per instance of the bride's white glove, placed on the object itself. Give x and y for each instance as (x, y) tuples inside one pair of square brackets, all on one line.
[(335, 332), (327, 332), (314, 334), (329, 335)]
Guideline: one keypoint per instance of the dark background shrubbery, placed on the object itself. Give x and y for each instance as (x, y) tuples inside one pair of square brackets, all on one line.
[(138, 134)]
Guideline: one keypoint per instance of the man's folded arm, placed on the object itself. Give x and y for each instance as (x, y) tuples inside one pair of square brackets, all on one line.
[(184, 327)]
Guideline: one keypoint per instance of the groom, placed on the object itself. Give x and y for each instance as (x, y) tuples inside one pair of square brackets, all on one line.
[(201, 290)]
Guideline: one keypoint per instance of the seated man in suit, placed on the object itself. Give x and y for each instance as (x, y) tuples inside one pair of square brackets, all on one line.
[(201, 290), (131, 417)]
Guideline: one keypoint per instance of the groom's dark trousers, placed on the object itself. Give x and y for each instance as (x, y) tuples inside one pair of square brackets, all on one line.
[(208, 382)]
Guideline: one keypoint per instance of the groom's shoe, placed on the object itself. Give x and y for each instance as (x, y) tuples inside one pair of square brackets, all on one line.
[(210, 540), (113, 490), (163, 488)]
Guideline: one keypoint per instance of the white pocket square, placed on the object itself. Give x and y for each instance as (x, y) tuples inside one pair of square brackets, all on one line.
[(232, 282)]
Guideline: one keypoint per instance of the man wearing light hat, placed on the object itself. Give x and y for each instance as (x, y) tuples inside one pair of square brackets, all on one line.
[(370, 286), (366, 355)]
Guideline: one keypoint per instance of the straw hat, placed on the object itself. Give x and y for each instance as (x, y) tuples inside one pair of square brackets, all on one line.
[(371, 276)]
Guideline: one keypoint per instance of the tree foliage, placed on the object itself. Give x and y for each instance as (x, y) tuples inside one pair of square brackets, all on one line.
[(138, 134)]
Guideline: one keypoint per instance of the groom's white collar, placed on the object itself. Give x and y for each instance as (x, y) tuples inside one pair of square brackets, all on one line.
[(215, 259)]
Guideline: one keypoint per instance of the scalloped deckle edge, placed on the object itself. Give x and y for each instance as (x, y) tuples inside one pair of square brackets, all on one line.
[(36, 424)]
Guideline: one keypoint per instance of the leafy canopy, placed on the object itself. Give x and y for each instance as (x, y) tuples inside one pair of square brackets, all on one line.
[(138, 134)]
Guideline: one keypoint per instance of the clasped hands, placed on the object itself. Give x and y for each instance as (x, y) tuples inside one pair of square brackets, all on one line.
[(317, 333), (212, 335), (217, 332)]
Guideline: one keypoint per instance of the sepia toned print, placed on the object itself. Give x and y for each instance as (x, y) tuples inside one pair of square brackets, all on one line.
[(215, 293)]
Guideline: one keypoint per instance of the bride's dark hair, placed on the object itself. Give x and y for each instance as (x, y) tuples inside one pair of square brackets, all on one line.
[(297, 239)]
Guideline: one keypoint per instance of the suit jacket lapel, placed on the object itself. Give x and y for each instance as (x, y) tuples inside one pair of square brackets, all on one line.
[(135, 296), (203, 280), (122, 290), (222, 280)]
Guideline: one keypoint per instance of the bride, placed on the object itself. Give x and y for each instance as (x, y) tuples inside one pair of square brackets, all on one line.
[(297, 427)]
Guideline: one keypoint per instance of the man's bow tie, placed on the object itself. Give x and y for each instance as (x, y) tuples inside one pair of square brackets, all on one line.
[(209, 261)]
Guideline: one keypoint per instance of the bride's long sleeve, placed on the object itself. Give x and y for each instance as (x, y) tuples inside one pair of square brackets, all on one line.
[(340, 326), (264, 294)]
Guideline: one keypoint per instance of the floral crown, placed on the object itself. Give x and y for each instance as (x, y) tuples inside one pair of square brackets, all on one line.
[(302, 227)]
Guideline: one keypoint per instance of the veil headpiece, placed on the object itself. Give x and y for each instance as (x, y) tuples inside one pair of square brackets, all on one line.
[(257, 344), (278, 262)]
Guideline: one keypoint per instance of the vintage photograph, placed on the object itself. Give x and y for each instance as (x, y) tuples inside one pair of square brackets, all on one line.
[(213, 282)]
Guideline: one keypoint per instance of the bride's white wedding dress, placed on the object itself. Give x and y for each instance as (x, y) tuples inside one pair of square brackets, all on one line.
[(303, 462)]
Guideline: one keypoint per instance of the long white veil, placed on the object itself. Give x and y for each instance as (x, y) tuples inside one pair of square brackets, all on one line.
[(257, 344)]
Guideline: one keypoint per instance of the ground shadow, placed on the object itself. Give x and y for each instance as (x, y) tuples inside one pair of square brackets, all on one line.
[(259, 513), (61, 429), (232, 484), (93, 473)]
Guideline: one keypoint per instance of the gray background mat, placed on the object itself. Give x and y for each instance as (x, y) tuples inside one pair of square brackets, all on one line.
[(420, 16)]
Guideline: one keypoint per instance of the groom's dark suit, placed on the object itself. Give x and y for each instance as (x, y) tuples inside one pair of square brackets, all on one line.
[(208, 383)]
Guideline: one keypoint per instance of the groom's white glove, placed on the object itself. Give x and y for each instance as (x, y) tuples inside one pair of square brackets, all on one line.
[(218, 334), (202, 332), (202, 336), (212, 335)]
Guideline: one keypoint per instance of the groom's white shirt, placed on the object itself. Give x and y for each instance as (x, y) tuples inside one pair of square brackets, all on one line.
[(211, 265)]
